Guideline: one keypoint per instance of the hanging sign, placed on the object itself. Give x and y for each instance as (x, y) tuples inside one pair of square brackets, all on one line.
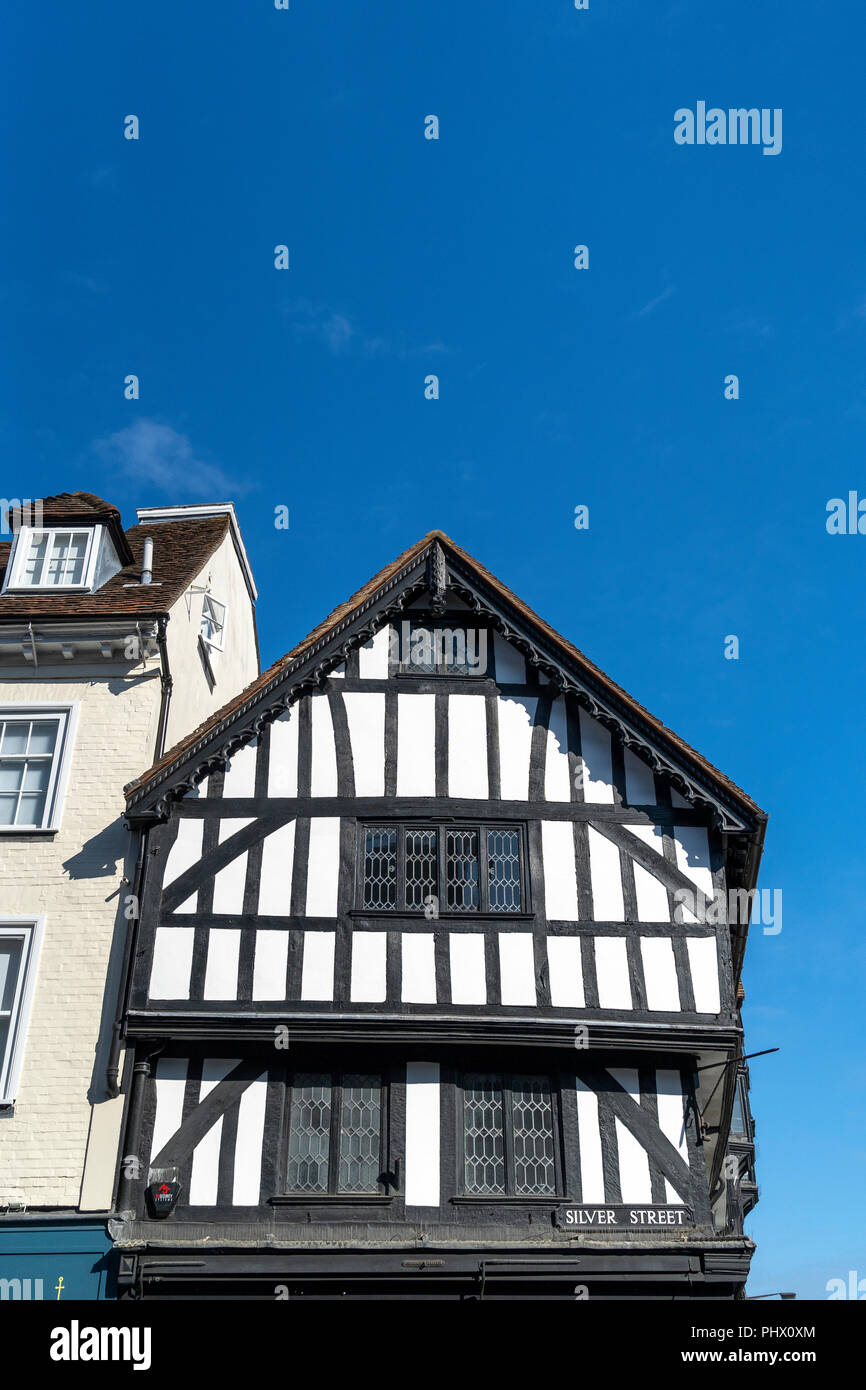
[(162, 1197)]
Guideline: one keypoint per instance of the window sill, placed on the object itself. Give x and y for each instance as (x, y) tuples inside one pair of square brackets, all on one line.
[(29, 829), (416, 915), (442, 674), (49, 589), (330, 1199), (509, 1200)]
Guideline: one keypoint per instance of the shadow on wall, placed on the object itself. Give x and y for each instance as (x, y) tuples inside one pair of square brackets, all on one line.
[(122, 841), (101, 854)]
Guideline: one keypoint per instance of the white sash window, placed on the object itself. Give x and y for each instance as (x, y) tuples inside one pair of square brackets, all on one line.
[(19, 951), (35, 744), (62, 557)]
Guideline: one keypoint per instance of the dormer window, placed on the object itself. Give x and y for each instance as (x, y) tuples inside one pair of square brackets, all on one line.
[(54, 558), (213, 622)]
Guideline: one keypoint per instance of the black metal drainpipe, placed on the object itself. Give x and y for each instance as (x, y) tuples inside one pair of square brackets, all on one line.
[(112, 1070), (167, 684), (130, 1173)]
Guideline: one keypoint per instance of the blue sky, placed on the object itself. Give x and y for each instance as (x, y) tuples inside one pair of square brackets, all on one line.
[(558, 387)]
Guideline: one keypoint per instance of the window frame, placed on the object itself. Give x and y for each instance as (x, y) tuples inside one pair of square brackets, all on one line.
[(333, 1193), (509, 1195), (441, 622), (24, 538), (219, 646), (483, 829), (61, 761), (746, 1134), (31, 929)]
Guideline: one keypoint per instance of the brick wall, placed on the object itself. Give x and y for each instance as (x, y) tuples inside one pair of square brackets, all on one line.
[(74, 878)]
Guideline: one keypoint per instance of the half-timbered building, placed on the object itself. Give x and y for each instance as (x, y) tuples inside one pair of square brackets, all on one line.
[(434, 988)]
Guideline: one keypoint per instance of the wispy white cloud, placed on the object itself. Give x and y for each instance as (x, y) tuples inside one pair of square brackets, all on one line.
[(751, 324), (653, 303), (309, 320), (93, 284), (341, 335), (157, 455), (105, 175)]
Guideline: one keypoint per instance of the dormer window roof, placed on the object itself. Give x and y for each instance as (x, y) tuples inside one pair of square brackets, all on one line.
[(71, 543), (55, 581)]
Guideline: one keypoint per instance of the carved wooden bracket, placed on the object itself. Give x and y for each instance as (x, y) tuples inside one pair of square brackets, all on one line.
[(437, 577)]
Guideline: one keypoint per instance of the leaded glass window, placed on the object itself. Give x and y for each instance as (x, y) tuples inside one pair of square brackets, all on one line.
[(461, 864), (360, 1134), (509, 1136), (421, 866), (503, 870), (483, 1135), (738, 1117), (459, 868), (532, 1113), (335, 1133), (431, 649), (310, 1134), (380, 866)]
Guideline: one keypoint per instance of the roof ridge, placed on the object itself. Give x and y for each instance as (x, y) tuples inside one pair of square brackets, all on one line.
[(608, 685), (177, 560)]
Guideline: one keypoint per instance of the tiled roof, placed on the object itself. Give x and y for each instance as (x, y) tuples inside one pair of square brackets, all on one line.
[(175, 755), (73, 504), (180, 550)]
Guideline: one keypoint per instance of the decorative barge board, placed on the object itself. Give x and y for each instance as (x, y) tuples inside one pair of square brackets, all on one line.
[(433, 955)]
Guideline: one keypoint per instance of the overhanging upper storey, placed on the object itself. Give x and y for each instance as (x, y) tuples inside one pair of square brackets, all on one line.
[(434, 808)]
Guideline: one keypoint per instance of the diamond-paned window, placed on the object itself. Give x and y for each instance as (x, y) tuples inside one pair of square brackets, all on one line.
[(360, 1134), (446, 649), (380, 866), (483, 1135), (509, 1136), (309, 1134), (503, 870), (335, 1133), (534, 1168), (462, 868), (421, 866)]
